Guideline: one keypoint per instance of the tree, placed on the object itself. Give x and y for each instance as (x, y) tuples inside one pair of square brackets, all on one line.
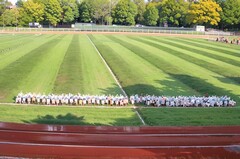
[(173, 12), (100, 8), (231, 12), (85, 12), (151, 15), (204, 12), (31, 12), (19, 3), (141, 7), (10, 17), (124, 13), (52, 11), (3, 6), (70, 10)]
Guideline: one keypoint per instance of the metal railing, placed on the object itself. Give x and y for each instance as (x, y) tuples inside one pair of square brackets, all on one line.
[(119, 29)]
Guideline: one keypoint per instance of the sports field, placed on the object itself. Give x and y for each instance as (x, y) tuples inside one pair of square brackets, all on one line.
[(142, 64)]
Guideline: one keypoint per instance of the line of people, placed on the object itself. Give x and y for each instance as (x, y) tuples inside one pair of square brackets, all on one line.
[(183, 101), (71, 99), (226, 40), (120, 100)]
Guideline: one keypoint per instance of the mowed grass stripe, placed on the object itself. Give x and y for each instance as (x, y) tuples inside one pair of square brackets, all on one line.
[(232, 60), (196, 77), (69, 115), (135, 74), (185, 53), (11, 76), (70, 75), (191, 116), (97, 78), (10, 45), (171, 83), (8, 58), (216, 46), (209, 49), (83, 71), (10, 39), (42, 77)]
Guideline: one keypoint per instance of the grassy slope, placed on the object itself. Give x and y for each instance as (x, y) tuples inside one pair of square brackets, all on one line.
[(120, 117), (69, 116), (13, 76), (198, 77), (42, 77), (191, 116), (134, 73), (33, 42), (221, 65), (83, 71)]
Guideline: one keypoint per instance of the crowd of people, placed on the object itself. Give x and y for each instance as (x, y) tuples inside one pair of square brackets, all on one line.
[(226, 40), (183, 101), (120, 100), (71, 99)]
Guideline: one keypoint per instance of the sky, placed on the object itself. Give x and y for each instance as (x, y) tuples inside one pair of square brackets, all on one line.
[(13, 1)]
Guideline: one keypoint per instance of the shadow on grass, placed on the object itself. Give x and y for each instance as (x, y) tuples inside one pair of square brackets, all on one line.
[(68, 119), (226, 79), (111, 90), (203, 87), (72, 119), (169, 87)]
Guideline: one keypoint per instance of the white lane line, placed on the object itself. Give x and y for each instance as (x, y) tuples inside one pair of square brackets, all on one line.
[(55, 132), (139, 116), (118, 83), (118, 147)]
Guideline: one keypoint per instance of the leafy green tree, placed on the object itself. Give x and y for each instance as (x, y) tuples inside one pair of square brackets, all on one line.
[(141, 7), (124, 13), (85, 12), (10, 17), (31, 12), (173, 12), (101, 9), (231, 12), (3, 6), (206, 12), (151, 15), (19, 3), (52, 11), (70, 10)]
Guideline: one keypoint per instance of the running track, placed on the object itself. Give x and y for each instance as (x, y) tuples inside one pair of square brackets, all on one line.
[(52, 141)]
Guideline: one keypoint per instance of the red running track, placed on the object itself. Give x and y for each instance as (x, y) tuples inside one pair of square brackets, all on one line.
[(52, 141)]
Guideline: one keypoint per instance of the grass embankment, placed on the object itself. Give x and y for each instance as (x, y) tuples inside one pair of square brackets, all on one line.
[(185, 65), (136, 74), (191, 116), (18, 75), (82, 70), (69, 115), (120, 117)]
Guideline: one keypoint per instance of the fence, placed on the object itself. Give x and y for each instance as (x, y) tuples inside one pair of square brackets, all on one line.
[(121, 29)]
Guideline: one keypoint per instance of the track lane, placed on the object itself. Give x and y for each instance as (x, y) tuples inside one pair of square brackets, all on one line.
[(52, 141), (121, 129), (57, 151), (118, 139)]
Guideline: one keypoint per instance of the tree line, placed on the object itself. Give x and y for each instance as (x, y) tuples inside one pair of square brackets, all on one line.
[(224, 14)]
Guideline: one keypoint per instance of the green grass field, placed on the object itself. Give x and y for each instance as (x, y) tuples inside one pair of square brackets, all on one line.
[(191, 116), (69, 115), (142, 64), (65, 115)]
